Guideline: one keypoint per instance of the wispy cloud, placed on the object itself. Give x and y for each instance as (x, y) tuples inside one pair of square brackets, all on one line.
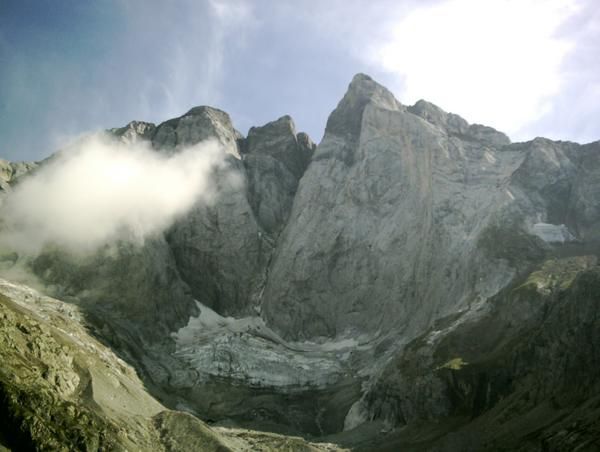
[(154, 61), (179, 52), (197, 50)]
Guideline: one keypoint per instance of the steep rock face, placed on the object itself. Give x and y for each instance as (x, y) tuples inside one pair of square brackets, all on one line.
[(123, 280), (275, 160), (385, 193), (203, 247), (404, 215), (503, 376), (222, 250), (557, 186), (219, 249)]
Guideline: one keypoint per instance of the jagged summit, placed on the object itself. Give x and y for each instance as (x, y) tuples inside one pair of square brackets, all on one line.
[(135, 131), (455, 125), (198, 124), (275, 156), (360, 77), (284, 124), (345, 120), (204, 110), (363, 91)]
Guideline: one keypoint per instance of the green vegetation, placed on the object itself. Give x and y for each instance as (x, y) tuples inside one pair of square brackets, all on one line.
[(454, 364), (34, 414), (556, 274)]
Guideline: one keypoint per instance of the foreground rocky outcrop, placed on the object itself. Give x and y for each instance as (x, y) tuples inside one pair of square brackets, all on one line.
[(413, 281), (517, 373), (61, 389)]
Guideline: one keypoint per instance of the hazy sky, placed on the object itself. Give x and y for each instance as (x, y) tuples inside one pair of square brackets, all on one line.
[(526, 67)]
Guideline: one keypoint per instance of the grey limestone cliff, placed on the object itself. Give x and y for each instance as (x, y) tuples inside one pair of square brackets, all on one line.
[(387, 190), (275, 160)]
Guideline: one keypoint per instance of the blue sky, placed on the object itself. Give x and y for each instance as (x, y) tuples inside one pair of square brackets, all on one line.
[(68, 67)]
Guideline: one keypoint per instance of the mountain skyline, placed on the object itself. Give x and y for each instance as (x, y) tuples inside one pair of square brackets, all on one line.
[(525, 68)]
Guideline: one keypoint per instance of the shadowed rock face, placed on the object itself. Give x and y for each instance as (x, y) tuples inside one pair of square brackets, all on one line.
[(400, 275), (219, 249), (518, 373), (275, 160)]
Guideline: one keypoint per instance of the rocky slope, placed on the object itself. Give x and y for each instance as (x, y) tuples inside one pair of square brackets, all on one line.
[(10, 173), (61, 389), (517, 373), (412, 274)]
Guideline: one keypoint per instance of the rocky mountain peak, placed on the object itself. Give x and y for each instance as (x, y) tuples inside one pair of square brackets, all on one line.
[(279, 140), (306, 141), (360, 77), (455, 125), (205, 110), (283, 126), (134, 131), (432, 113), (346, 118), (198, 124), (275, 160), (364, 89)]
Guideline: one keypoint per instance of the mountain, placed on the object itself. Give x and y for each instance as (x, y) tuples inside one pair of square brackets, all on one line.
[(414, 281)]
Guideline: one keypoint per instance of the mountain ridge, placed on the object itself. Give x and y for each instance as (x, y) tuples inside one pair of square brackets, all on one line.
[(403, 229)]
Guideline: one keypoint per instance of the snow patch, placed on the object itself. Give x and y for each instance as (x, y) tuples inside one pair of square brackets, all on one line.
[(357, 415), (247, 350), (552, 233), (489, 157)]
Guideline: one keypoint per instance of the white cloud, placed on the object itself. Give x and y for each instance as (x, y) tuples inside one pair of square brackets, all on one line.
[(104, 190), (496, 62)]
